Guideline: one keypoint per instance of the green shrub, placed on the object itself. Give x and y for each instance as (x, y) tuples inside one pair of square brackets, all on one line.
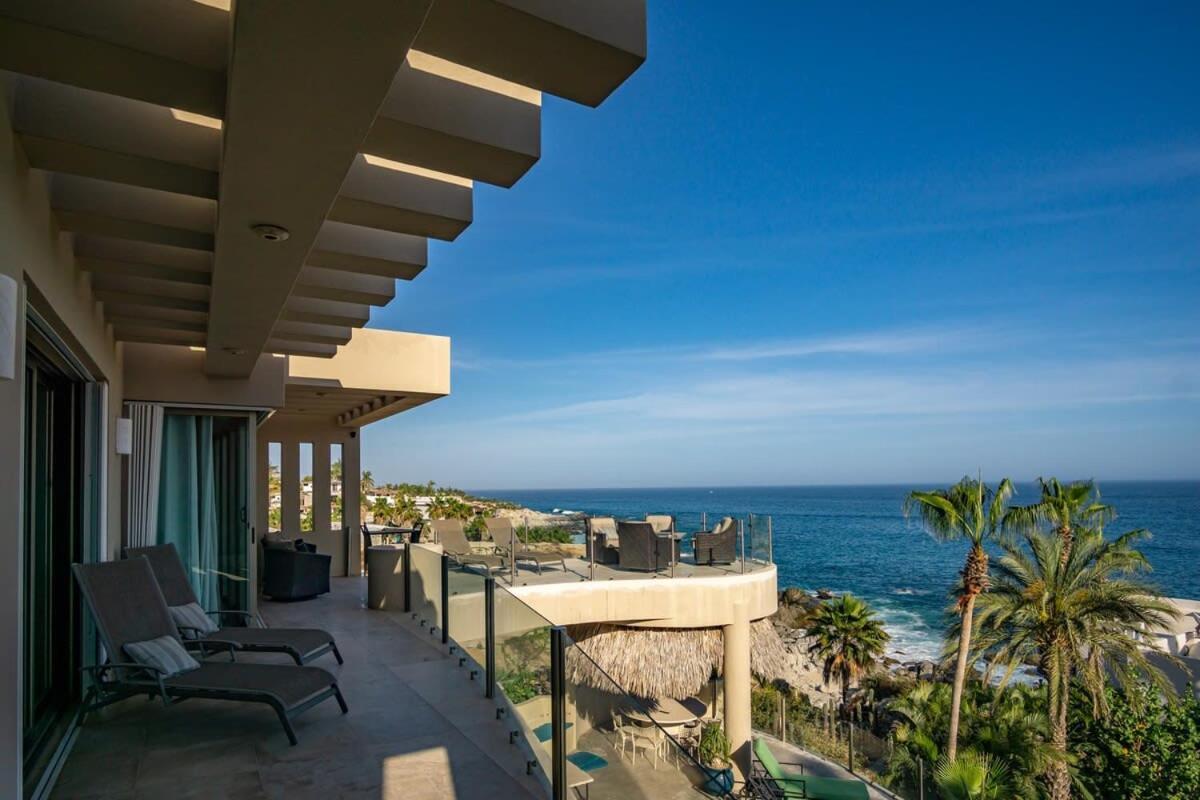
[(551, 533), (1146, 748)]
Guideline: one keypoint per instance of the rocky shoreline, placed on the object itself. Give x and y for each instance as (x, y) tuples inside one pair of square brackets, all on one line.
[(803, 672)]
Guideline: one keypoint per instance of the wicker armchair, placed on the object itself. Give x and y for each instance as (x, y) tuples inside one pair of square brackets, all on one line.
[(718, 546), (642, 548)]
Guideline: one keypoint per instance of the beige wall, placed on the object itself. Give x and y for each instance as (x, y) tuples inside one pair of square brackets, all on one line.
[(676, 603), (38, 257), (289, 434), (161, 373)]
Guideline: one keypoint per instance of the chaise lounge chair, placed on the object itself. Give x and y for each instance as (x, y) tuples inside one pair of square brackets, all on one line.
[(449, 532), (509, 546), (147, 657), (302, 644), (786, 783)]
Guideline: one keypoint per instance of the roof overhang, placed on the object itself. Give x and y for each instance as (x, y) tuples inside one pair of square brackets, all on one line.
[(172, 129), (373, 376)]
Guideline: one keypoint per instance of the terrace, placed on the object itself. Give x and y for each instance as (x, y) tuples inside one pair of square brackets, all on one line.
[(420, 726)]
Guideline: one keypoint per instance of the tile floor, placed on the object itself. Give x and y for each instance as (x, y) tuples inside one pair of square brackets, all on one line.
[(417, 728)]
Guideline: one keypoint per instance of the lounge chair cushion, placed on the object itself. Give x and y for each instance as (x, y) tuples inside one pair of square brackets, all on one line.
[(291, 684), (165, 653), (302, 640), (191, 618)]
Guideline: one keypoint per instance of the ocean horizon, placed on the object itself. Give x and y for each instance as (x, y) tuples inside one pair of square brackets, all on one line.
[(854, 538)]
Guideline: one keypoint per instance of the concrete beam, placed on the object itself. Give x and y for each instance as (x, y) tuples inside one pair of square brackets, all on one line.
[(388, 198), (92, 63), (56, 155), (347, 287), (306, 81), (447, 124), (578, 51), (325, 312), (369, 251)]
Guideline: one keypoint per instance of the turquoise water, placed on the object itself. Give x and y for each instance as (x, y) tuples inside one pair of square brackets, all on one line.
[(855, 538)]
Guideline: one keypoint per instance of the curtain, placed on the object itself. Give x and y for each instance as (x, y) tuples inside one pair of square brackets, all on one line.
[(144, 466), (229, 449), (187, 510)]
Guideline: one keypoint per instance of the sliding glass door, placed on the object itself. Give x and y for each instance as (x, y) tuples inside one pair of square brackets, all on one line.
[(204, 503), (52, 542)]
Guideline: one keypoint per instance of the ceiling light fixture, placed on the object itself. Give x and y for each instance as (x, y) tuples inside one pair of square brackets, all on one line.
[(272, 233)]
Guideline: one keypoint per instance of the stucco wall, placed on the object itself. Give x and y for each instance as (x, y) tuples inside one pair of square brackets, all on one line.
[(289, 434), (39, 258)]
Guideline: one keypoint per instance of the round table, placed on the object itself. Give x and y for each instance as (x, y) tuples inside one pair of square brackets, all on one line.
[(665, 712)]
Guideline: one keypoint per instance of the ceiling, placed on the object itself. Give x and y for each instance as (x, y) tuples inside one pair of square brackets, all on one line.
[(255, 180)]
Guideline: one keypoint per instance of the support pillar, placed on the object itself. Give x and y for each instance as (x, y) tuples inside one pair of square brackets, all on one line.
[(737, 689)]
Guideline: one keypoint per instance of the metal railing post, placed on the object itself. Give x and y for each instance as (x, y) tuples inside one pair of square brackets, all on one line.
[(407, 562), (512, 555), (703, 520), (770, 540), (921, 776), (742, 541), (445, 598), (591, 543), (850, 746), (558, 713), (489, 635)]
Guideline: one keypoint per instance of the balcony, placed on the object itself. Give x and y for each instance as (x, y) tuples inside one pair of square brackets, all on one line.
[(420, 723), (417, 728)]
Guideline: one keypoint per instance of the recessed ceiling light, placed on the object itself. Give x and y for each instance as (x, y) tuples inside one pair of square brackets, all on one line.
[(272, 233), (234, 351)]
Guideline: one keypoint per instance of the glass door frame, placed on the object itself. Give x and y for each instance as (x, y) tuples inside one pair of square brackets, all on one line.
[(90, 443), (252, 416)]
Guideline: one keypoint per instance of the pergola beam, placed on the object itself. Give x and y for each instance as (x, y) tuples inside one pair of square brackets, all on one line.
[(307, 80)]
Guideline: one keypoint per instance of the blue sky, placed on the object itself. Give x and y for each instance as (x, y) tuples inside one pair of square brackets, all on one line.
[(811, 245)]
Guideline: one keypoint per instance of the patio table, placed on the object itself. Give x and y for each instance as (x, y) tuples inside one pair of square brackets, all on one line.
[(665, 712)]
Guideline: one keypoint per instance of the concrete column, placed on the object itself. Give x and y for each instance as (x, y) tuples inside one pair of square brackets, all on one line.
[(320, 473), (289, 486), (737, 689), (351, 518)]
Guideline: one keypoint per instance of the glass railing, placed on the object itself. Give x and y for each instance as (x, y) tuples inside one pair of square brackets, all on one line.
[(580, 733), (425, 590), (521, 674), (758, 535), (620, 747)]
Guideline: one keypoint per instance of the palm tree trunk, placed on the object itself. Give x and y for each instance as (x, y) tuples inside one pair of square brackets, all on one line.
[(1060, 776), (1068, 539), (960, 674)]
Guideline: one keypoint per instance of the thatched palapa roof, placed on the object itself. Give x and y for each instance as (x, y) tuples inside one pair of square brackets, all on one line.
[(663, 662)]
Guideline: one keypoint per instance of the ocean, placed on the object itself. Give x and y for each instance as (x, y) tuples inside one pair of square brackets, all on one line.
[(855, 539)]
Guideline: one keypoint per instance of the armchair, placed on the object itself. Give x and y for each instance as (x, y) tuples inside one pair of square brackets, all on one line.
[(718, 546)]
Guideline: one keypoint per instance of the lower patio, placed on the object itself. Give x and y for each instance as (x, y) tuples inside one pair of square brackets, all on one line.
[(418, 728)]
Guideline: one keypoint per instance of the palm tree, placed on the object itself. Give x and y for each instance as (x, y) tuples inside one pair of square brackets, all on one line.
[(406, 511), (1010, 726), (1064, 509), (967, 511), (848, 638), (975, 776), (1076, 618), (367, 481)]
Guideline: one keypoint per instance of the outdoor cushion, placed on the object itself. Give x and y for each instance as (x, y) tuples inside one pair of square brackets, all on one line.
[(588, 762), (661, 522), (303, 640), (544, 731), (291, 684), (795, 784), (165, 653), (191, 615), (278, 544)]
